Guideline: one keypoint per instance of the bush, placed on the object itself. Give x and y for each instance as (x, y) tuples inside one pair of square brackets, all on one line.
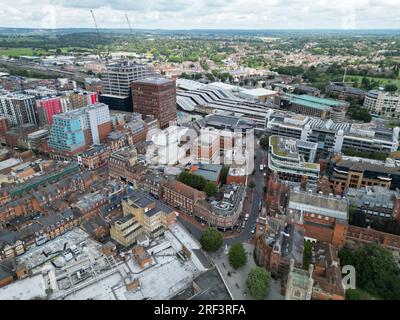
[(257, 283), (211, 239), (210, 188), (237, 255)]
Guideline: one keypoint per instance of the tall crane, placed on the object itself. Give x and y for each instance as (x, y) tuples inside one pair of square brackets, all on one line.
[(99, 33), (129, 24), (95, 24)]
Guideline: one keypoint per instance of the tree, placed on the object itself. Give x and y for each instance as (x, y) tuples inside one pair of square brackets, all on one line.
[(211, 239), (257, 283), (195, 181), (224, 174), (377, 272), (237, 255), (390, 87), (357, 294), (252, 185), (264, 142), (210, 188)]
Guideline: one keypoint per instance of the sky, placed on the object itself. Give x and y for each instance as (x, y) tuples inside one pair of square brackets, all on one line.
[(203, 14)]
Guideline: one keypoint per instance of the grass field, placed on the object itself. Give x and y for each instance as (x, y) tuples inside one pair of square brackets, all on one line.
[(16, 52), (383, 81)]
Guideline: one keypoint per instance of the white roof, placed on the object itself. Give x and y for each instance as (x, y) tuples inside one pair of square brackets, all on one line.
[(9, 163), (259, 92), (26, 289), (226, 86)]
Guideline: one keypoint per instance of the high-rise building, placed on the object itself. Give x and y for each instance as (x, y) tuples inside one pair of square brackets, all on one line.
[(67, 134), (79, 99), (117, 81), (155, 96), (74, 130), (48, 107), (18, 108)]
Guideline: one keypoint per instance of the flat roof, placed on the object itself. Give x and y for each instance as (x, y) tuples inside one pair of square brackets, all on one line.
[(9, 163), (259, 92), (154, 80), (27, 289), (315, 203)]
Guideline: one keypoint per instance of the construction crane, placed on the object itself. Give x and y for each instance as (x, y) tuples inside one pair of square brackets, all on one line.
[(95, 24), (99, 34), (129, 24)]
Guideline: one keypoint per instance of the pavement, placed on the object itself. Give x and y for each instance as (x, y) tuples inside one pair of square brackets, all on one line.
[(236, 281)]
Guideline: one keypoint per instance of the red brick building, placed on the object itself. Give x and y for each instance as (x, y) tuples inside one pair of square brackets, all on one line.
[(3, 125), (156, 97), (325, 218), (181, 196)]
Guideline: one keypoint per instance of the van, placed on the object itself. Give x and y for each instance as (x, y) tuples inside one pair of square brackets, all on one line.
[(246, 217)]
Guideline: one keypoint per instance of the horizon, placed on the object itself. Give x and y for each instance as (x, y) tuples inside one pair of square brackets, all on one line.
[(215, 14)]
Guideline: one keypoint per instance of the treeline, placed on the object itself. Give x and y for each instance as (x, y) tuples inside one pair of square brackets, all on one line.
[(198, 182)]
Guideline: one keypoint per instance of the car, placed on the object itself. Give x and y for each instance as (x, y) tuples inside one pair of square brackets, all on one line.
[(253, 231), (246, 217)]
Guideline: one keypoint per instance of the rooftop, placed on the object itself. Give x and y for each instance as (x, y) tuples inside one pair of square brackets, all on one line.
[(210, 172), (154, 80), (319, 204)]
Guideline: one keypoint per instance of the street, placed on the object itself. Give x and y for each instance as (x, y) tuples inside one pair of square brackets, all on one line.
[(252, 203)]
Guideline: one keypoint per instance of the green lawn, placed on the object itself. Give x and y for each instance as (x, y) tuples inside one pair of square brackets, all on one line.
[(383, 81), (16, 52)]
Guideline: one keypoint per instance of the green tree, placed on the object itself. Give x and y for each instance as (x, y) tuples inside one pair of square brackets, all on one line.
[(224, 174), (211, 239), (264, 142), (195, 181), (252, 185), (237, 255), (210, 188), (257, 283), (390, 87), (357, 294), (377, 272)]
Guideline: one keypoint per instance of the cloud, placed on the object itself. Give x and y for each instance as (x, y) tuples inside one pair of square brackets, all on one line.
[(203, 14)]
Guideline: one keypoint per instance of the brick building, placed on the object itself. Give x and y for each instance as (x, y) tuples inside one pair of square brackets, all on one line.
[(181, 196), (156, 97), (3, 125), (276, 243), (95, 157), (325, 218)]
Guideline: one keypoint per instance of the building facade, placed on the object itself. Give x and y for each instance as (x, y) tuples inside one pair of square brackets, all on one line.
[(382, 103), (156, 97), (19, 108)]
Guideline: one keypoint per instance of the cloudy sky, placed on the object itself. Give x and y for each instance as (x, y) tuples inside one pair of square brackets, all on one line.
[(203, 14)]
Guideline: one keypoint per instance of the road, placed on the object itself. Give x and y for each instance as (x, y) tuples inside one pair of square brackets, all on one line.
[(255, 195)]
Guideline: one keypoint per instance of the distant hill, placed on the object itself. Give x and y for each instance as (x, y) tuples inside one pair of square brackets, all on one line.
[(197, 32)]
